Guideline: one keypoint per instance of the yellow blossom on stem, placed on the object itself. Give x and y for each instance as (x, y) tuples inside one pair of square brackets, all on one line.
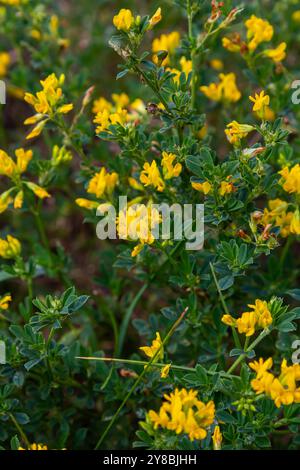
[(4, 301), (183, 413), (35, 446), (295, 223), (166, 42), (170, 170), (217, 438), (156, 18), (156, 346), (165, 371), (225, 90), (124, 20), (291, 179), (4, 63), (103, 183), (10, 248), (259, 31), (150, 176), (226, 187), (205, 187), (261, 101), (235, 132), (249, 322), (278, 54)]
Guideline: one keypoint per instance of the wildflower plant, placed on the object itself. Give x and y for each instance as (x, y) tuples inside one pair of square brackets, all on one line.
[(137, 341)]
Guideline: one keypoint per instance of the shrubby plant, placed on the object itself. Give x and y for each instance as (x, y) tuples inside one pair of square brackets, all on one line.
[(138, 342)]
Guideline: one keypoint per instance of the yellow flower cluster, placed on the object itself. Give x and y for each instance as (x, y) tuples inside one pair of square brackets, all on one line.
[(249, 322), (4, 301), (136, 223), (13, 170), (118, 111), (10, 248), (283, 389), (226, 90), (291, 179), (184, 413), (225, 187), (278, 215), (258, 32), (4, 63), (125, 20), (52, 34), (102, 185), (35, 446), (150, 176), (166, 42), (47, 103)]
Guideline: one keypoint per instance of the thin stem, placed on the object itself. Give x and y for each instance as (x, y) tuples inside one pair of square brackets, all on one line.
[(158, 365), (127, 317), (193, 53), (236, 338), (139, 379), (41, 228), (20, 430), (262, 335)]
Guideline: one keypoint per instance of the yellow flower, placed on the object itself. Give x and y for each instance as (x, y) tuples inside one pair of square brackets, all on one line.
[(183, 413), (249, 322), (282, 390), (135, 184), (124, 20), (35, 447), (291, 179), (166, 42), (103, 183), (170, 170), (216, 64), (60, 155), (202, 187), (261, 101), (295, 223), (100, 105), (10, 248), (226, 188), (86, 203), (121, 100), (261, 366), (4, 301), (137, 223), (46, 103), (278, 54), (217, 438), (259, 31), (296, 16), (152, 350), (231, 45), (150, 176), (104, 119), (225, 90), (165, 371), (18, 201), (12, 169), (156, 18), (277, 214), (235, 132), (4, 63), (40, 192)]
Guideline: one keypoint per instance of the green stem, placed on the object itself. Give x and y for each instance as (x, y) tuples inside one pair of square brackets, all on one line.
[(41, 229), (193, 53), (139, 379), (127, 317), (158, 365), (262, 335), (20, 430), (236, 338)]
